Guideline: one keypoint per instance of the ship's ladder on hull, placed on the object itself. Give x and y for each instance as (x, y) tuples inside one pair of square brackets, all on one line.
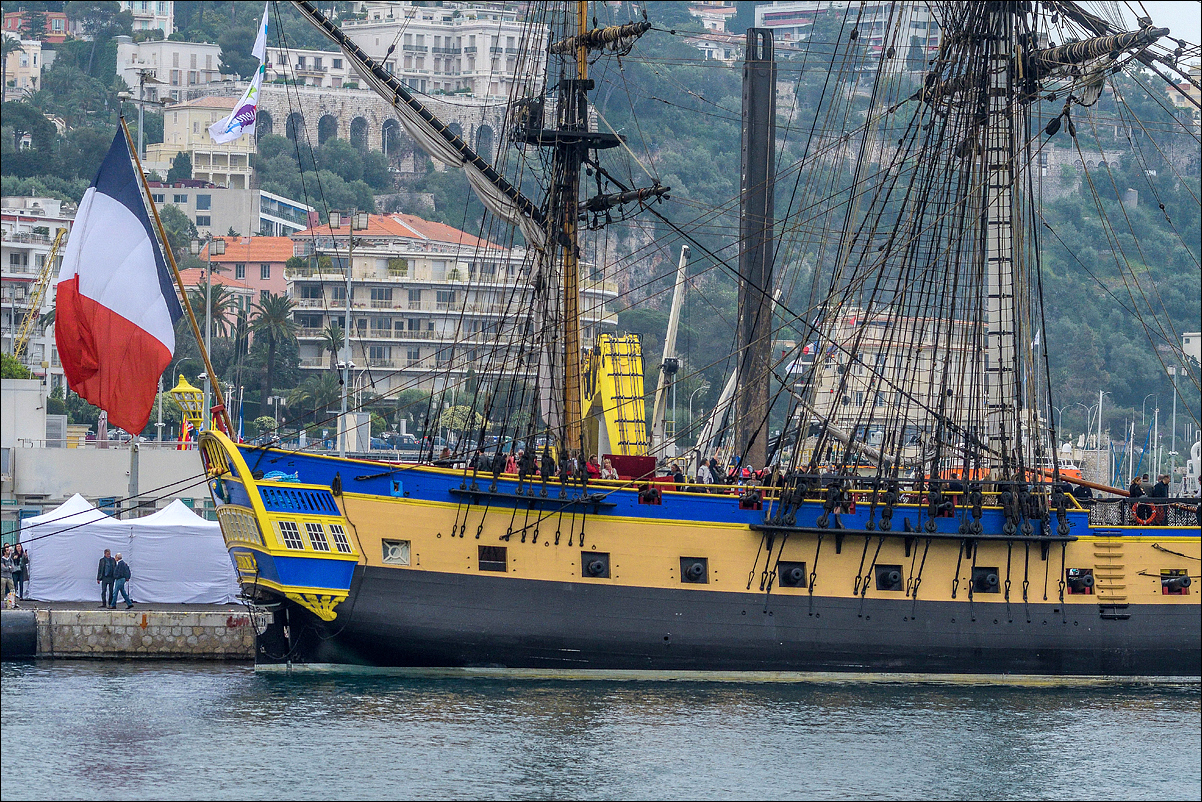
[(1110, 578)]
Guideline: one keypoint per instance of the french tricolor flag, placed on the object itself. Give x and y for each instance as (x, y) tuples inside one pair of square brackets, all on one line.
[(116, 307)]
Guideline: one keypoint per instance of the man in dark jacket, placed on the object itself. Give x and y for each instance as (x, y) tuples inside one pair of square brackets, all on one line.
[(123, 575), (106, 574), (1161, 488)]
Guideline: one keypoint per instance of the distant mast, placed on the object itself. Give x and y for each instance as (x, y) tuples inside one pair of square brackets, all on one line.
[(756, 235)]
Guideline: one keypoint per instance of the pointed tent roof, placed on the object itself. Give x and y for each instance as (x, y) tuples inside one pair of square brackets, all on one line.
[(75, 510), (177, 513)]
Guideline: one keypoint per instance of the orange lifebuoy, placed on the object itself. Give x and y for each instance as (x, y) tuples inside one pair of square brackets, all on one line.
[(1154, 515)]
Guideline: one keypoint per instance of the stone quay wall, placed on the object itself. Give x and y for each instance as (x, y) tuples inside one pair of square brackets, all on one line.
[(145, 634)]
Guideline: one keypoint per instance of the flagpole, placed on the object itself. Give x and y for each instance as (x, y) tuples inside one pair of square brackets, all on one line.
[(179, 282)]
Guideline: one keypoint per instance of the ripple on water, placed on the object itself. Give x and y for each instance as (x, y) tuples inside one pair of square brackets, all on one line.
[(198, 730)]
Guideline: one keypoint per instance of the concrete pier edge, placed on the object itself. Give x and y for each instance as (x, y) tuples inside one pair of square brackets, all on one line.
[(138, 633)]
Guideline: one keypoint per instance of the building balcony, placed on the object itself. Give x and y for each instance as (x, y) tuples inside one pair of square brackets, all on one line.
[(27, 237)]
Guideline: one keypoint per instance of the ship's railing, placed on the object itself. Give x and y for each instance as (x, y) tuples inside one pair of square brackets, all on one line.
[(1145, 511)]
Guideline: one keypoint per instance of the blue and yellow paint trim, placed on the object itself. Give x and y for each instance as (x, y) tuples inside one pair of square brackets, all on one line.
[(290, 539)]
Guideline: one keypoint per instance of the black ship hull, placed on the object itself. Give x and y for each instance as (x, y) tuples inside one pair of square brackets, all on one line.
[(429, 619)]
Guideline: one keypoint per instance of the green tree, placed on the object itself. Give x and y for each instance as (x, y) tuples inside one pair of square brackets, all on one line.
[(56, 404), (341, 157), (331, 340), (11, 368), (181, 168), (100, 19), (236, 43), (223, 307), (35, 23), (315, 394), (375, 170), (21, 119), (180, 229), (274, 323)]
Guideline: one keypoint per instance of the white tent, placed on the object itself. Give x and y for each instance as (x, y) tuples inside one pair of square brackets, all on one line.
[(174, 555)]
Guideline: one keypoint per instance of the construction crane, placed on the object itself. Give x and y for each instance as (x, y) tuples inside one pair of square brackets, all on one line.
[(35, 298)]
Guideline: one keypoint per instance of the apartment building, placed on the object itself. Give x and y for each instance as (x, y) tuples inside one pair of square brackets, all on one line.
[(484, 50), (257, 262), (179, 67), (249, 212), (1187, 95), (428, 302), (851, 395), (327, 69), (151, 14), (880, 25), (54, 30), (28, 227), (23, 68), (186, 128)]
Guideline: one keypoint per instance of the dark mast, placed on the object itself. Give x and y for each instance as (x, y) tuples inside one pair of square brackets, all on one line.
[(756, 223)]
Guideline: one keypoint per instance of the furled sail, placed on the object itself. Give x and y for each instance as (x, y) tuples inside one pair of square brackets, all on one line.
[(497, 194)]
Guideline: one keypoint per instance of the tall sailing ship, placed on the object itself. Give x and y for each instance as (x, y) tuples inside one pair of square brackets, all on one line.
[(931, 530)]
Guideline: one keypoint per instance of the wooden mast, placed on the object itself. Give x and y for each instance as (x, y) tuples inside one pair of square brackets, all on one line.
[(219, 408), (575, 118)]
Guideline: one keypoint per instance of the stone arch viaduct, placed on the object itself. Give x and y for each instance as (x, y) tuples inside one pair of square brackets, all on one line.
[(363, 118)]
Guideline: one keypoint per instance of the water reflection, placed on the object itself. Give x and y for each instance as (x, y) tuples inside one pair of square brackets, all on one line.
[(201, 730)]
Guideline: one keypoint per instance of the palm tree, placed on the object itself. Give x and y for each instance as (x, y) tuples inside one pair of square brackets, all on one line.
[(7, 45), (274, 321), (331, 340), (223, 306), (315, 393)]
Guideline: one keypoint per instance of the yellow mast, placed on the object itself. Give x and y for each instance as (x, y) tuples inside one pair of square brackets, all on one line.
[(571, 261)]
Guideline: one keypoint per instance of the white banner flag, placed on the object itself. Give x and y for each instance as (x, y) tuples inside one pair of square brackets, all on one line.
[(242, 118)]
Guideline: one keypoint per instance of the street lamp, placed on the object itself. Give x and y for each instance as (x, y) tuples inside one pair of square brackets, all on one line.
[(358, 222), (145, 76), (1060, 418), (217, 246), (276, 401), (1143, 407)]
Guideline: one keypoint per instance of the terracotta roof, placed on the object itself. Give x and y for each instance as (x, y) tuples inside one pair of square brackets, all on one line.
[(209, 102), (252, 249), (195, 277), (401, 225)]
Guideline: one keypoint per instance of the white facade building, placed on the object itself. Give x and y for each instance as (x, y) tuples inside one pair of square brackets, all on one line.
[(328, 69), (180, 66), (249, 212), (28, 227), (485, 50), (151, 15)]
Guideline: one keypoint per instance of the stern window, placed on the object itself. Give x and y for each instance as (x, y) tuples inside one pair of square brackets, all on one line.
[(340, 541), (291, 535), (317, 536)]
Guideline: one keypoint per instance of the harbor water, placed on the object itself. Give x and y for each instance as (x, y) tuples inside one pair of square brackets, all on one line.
[(114, 730)]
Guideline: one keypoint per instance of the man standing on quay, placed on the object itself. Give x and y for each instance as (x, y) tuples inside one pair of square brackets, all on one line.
[(106, 574), (123, 575)]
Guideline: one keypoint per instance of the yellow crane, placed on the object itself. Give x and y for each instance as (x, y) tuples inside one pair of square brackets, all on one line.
[(35, 297)]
